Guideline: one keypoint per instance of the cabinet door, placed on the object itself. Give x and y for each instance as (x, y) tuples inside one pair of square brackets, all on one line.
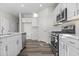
[(59, 8), (71, 10), (19, 43), (0, 50), (77, 8), (3, 50), (62, 48), (11, 46), (55, 13), (72, 51), (63, 6)]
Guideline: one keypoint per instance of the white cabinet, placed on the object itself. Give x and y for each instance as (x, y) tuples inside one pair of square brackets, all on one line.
[(72, 51), (14, 45), (3, 48), (59, 8), (77, 6), (62, 48), (11, 46), (68, 46), (55, 13), (19, 43), (71, 10), (63, 6)]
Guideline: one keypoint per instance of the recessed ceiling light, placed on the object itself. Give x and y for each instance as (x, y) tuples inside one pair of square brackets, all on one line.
[(35, 15), (41, 5), (22, 5)]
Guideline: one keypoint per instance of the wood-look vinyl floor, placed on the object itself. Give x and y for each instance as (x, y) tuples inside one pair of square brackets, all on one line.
[(36, 48)]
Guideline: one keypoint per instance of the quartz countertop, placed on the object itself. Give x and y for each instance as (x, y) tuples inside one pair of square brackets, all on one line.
[(70, 36), (9, 34)]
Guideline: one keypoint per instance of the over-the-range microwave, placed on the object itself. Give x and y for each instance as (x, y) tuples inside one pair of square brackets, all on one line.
[(62, 16)]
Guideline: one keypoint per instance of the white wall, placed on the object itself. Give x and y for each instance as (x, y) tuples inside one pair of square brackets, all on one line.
[(45, 24), (29, 19), (8, 21)]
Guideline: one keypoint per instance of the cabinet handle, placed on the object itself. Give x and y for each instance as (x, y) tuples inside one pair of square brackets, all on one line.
[(6, 48), (17, 42)]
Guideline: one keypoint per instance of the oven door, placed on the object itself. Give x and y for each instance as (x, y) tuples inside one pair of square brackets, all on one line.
[(55, 44)]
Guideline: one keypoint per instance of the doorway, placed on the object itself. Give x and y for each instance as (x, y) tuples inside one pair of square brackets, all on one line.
[(27, 27)]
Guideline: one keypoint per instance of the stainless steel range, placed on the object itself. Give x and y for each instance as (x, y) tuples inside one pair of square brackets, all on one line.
[(70, 29)]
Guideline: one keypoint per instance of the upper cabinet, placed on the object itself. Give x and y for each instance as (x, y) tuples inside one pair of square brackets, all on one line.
[(77, 7), (71, 10), (60, 7), (63, 5), (65, 12), (55, 12)]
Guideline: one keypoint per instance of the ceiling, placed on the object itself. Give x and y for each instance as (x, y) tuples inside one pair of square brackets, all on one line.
[(15, 8)]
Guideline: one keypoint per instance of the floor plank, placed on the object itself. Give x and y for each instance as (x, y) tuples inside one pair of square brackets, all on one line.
[(36, 48)]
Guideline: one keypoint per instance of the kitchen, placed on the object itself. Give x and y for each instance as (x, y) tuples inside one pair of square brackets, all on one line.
[(51, 27)]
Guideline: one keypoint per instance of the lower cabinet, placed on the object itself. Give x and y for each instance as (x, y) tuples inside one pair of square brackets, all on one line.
[(3, 51), (19, 43), (72, 51), (14, 45), (11, 45), (68, 47), (62, 48)]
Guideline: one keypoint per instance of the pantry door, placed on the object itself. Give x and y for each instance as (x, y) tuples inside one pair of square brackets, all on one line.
[(27, 27)]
